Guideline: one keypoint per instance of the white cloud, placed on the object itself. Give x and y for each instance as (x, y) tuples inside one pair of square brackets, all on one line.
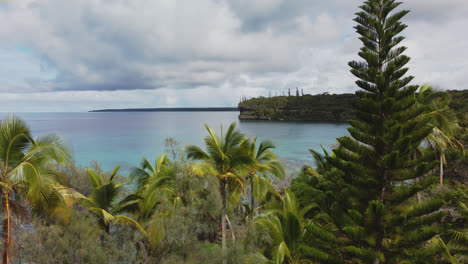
[(90, 54)]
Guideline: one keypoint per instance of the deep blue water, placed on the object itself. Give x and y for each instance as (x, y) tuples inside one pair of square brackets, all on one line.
[(123, 138)]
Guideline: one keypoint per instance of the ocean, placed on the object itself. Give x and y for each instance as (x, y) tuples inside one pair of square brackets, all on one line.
[(123, 138)]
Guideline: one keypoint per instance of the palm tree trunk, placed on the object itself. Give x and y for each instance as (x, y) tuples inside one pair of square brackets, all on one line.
[(232, 230), (6, 230), (223, 221), (251, 204), (441, 170)]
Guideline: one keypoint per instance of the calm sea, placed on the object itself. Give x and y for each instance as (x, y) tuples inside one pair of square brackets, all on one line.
[(123, 138)]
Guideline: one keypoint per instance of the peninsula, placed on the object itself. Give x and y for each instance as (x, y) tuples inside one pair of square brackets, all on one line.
[(323, 107)]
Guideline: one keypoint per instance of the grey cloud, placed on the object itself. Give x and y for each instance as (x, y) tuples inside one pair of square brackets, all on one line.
[(436, 11), (146, 45), (235, 47), (279, 15)]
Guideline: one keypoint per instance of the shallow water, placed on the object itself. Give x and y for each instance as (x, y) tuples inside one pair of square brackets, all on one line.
[(123, 138)]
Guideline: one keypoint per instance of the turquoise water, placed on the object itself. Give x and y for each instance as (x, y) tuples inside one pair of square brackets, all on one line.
[(123, 138)]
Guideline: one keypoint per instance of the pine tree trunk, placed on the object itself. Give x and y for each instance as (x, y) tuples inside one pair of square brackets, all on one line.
[(418, 194), (223, 221), (6, 230), (417, 180), (441, 170), (380, 233)]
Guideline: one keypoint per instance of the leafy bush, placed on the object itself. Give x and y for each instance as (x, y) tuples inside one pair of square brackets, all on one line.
[(77, 242)]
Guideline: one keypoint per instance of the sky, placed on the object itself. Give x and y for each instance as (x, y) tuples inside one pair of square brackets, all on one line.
[(68, 56)]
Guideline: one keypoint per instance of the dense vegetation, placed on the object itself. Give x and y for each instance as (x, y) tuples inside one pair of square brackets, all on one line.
[(385, 194), (322, 107), (326, 107)]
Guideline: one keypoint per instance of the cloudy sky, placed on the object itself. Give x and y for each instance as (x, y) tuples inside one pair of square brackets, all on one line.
[(60, 55)]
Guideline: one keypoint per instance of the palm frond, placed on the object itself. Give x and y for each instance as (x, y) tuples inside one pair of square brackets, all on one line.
[(273, 226), (264, 146), (102, 214), (19, 210), (213, 142), (237, 180), (196, 153), (105, 195), (161, 162), (95, 179), (146, 165), (15, 139), (141, 176), (114, 172), (129, 204), (125, 220), (156, 231), (203, 169), (281, 252), (51, 146)]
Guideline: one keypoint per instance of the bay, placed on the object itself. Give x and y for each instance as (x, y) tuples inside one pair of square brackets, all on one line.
[(123, 138)]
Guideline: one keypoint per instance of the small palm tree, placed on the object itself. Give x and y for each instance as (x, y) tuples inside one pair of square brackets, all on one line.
[(320, 160), (147, 172), (442, 141), (285, 223), (265, 163), (228, 158), (152, 183), (102, 200), (26, 174), (444, 123)]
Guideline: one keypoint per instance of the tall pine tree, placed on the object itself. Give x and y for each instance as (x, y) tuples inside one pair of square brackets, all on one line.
[(368, 192)]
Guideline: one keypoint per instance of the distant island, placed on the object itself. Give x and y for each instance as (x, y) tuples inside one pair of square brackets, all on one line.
[(173, 109), (321, 108)]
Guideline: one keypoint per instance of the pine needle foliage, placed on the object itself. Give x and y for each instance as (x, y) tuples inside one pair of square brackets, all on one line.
[(369, 190)]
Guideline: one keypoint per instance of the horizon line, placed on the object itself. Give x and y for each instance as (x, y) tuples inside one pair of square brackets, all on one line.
[(171, 109)]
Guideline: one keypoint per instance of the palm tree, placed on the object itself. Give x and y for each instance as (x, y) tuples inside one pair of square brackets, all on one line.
[(444, 123), (265, 163), (442, 141), (102, 200), (152, 182), (26, 173), (285, 223), (227, 157)]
